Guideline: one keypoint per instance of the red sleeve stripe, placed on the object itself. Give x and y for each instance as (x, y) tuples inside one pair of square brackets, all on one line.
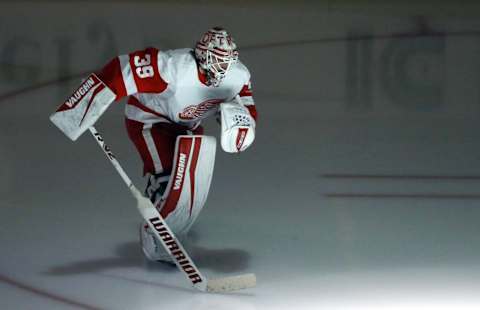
[(128, 79), (253, 111), (111, 75), (246, 91), (147, 77)]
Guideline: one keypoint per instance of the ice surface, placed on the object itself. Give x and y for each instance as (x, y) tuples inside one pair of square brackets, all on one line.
[(329, 103)]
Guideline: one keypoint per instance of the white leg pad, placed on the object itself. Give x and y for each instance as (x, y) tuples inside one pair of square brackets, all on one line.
[(189, 184)]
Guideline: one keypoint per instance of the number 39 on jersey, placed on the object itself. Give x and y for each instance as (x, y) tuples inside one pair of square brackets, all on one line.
[(143, 67)]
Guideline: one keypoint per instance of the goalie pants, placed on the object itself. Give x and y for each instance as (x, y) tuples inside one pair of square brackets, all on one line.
[(156, 143)]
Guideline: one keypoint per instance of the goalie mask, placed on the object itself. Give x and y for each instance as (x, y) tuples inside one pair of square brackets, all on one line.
[(216, 52)]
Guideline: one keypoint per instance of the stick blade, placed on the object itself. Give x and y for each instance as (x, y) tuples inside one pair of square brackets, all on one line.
[(233, 283)]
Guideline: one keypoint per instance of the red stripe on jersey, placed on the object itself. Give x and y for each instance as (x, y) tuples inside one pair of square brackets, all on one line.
[(253, 111), (178, 175), (246, 91), (193, 167), (145, 72), (111, 75)]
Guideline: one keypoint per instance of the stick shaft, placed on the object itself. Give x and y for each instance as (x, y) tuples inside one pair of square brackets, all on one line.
[(111, 157)]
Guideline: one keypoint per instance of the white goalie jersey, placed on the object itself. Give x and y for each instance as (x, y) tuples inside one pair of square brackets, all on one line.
[(163, 86)]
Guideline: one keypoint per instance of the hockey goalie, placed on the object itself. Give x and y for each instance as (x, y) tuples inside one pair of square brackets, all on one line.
[(169, 94)]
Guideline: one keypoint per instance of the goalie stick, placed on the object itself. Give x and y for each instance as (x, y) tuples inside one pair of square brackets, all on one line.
[(163, 233)]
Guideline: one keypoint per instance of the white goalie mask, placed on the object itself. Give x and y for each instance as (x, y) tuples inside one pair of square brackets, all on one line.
[(216, 52)]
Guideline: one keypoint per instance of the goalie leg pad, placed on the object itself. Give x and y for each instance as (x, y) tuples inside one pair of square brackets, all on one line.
[(188, 187), (84, 107)]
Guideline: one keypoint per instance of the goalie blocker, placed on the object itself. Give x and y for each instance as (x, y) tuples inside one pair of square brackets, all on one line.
[(83, 108)]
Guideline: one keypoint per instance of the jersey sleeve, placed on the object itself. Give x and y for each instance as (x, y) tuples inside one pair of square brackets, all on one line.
[(247, 99), (137, 72)]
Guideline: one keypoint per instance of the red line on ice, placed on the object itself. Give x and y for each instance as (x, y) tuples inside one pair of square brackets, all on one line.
[(45, 294)]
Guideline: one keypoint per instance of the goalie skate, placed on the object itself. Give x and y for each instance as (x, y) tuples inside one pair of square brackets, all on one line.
[(151, 247)]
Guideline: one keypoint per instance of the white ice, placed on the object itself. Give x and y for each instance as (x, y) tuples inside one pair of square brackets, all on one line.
[(342, 91)]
